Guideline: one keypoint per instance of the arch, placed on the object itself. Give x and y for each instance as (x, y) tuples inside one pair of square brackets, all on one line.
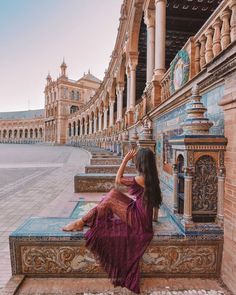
[(83, 126), (92, 117), (15, 133), (31, 133), (26, 133), (87, 123), (78, 126), (180, 189), (135, 26), (21, 133), (36, 132), (69, 127), (4, 133), (72, 95), (73, 109), (9, 133), (74, 128), (40, 132)]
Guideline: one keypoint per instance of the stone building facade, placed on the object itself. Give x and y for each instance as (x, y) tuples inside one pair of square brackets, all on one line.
[(163, 49), (63, 97)]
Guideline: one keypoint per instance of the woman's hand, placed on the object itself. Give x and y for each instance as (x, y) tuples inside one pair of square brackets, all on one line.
[(130, 155)]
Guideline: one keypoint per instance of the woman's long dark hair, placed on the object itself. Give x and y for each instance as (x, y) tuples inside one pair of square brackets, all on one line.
[(146, 165)]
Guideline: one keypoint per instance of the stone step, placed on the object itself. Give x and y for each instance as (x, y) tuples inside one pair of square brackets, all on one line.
[(94, 182), (107, 169), (105, 161), (39, 248), (95, 156)]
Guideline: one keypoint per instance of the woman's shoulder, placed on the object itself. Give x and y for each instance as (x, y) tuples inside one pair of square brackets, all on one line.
[(139, 179)]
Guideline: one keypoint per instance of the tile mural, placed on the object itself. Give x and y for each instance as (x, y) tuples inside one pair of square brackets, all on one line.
[(170, 124)]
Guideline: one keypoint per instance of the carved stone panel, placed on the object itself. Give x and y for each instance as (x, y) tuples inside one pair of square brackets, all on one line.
[(205, 186)]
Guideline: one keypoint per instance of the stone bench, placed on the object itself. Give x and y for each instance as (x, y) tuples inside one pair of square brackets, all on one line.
[(39, 248), (94, 182), (107, 169), (105, 161)]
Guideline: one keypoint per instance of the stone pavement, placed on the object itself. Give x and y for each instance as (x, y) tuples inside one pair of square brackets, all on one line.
[(32, 177), (90, 286)]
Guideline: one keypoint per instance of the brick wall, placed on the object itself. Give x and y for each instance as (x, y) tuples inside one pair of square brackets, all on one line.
[(229, 253)]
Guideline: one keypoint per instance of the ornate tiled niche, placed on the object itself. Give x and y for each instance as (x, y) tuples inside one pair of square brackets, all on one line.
[(168, 126), (198, 167)]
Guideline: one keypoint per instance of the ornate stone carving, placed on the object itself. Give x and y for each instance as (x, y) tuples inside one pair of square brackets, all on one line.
[(205, 185), (166, 259), (175, 259)]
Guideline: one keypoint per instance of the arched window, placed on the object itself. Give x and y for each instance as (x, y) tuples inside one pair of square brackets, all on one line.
[(77, 95), (15, 133), (74, 128), (70, 129), (21, 133), (26, 133), (40, 132), (36, 133), (73, 109), (31, 133), (72, 94)]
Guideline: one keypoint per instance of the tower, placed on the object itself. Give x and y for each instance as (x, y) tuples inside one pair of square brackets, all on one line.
[(63, 69)]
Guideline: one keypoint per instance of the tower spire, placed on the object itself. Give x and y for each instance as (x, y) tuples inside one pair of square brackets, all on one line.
[(63, 68)]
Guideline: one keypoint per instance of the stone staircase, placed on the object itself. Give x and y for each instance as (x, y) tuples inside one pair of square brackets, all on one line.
[(39, 248)]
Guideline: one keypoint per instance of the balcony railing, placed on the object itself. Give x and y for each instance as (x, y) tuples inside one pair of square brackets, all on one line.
[(214, 37)]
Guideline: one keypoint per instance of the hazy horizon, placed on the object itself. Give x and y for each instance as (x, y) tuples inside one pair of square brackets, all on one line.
[(36, 35)]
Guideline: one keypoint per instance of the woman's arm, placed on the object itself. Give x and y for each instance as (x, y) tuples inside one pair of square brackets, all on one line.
[(121, 170)]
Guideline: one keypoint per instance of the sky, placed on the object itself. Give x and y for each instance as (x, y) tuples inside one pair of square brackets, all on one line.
[(35, 35)]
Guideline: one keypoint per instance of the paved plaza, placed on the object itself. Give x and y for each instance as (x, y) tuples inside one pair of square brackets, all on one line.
[(31, 177), (37, 180)]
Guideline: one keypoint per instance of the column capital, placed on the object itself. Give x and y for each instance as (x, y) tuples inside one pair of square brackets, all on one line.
[(112, 100), (149, 17), (133, 60), (120, 87)]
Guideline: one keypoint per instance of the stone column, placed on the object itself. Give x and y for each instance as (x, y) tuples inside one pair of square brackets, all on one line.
[(95, 124), (85, 128), (76, 129), (188, 180), (128, 87), (232, 6), (100, 121), (111, 118), (133, 61), (90, 126), (105, 118), (160, 39), (149, 19), (81, 128), (175, 188), (119, 93), (220, 198)]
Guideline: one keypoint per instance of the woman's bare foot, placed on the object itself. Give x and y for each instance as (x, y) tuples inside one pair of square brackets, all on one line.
[(77, 225)]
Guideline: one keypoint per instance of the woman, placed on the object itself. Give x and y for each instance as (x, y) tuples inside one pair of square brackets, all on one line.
[(121, 227)]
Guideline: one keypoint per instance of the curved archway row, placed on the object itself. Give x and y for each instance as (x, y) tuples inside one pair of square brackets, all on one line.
[(18, 132)]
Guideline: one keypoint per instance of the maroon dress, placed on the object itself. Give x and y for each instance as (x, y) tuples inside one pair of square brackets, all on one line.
[(120, 231)]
